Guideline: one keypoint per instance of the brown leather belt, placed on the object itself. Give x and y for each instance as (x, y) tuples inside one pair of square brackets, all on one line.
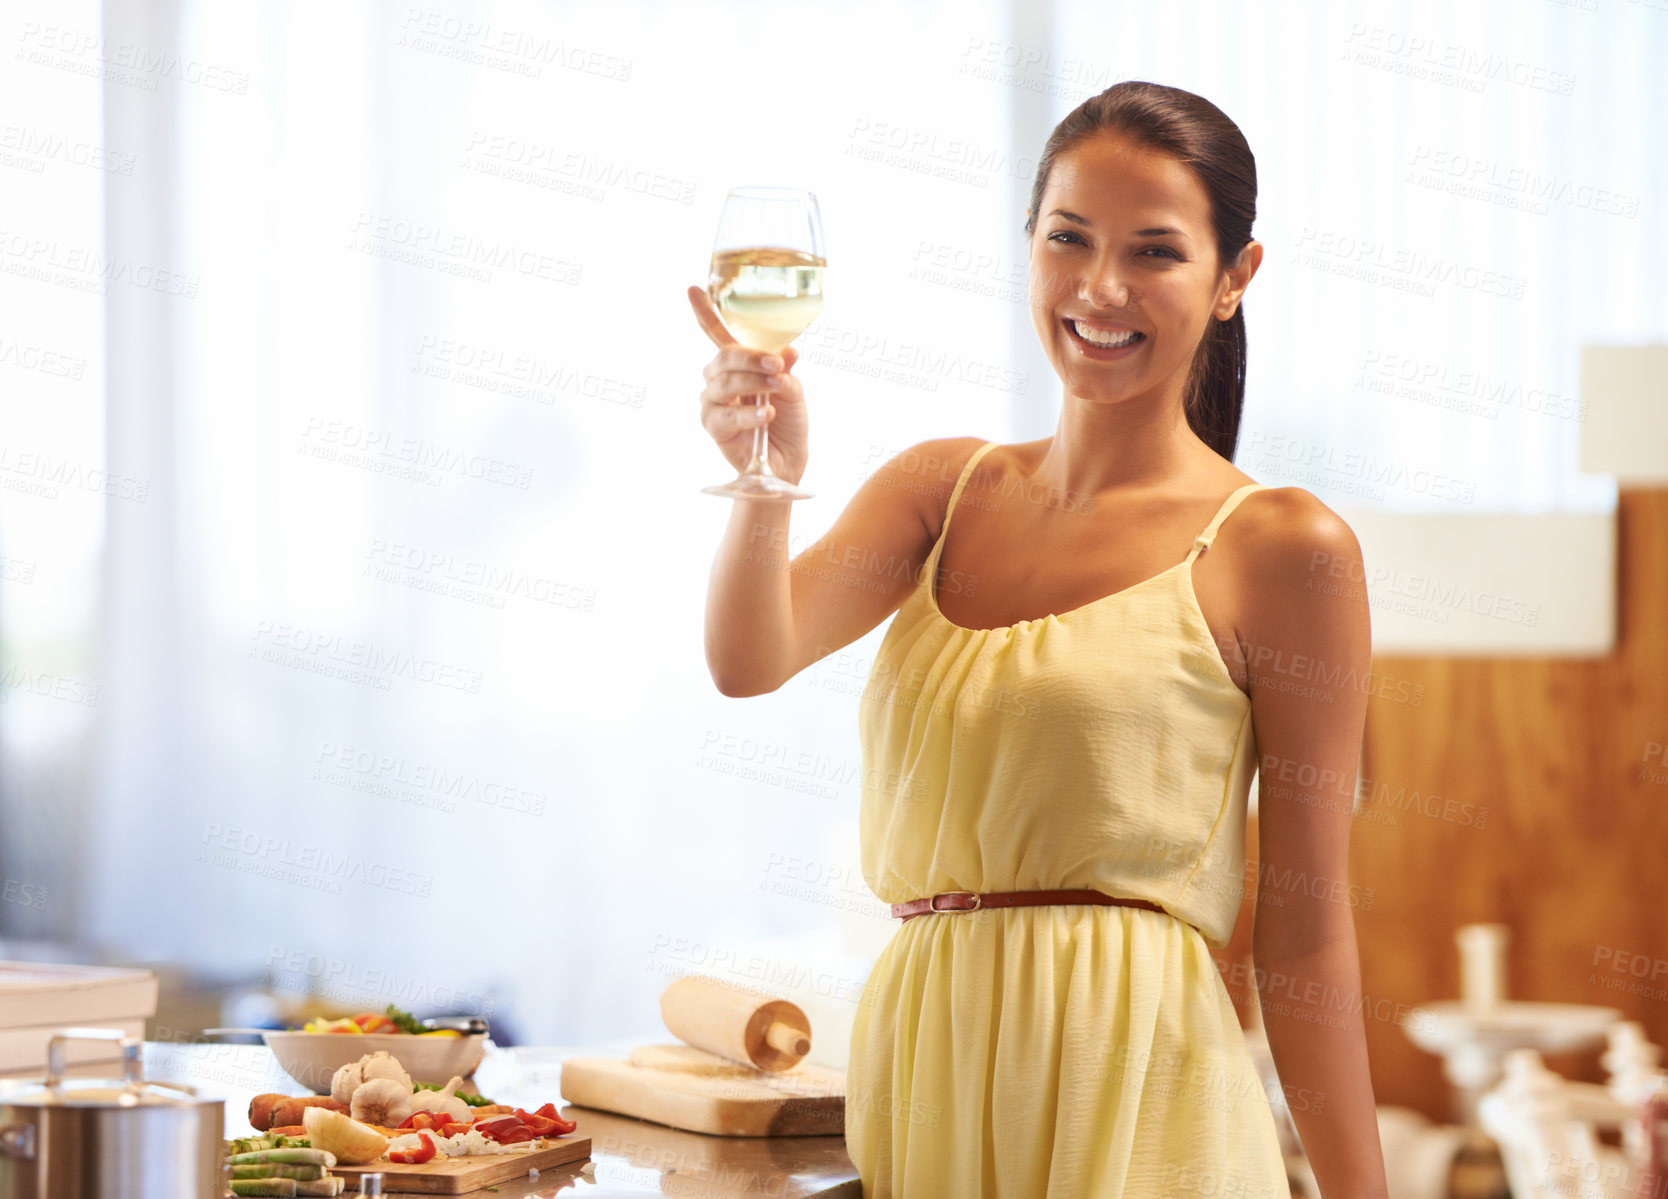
[(970, 901)]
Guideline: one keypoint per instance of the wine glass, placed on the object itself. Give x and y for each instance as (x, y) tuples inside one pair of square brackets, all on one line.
[(766, 282)]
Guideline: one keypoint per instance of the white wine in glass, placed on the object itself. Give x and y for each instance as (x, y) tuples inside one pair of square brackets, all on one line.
[(766, 282)]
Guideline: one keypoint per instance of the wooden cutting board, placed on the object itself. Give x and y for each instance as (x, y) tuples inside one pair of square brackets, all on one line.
[(692, 1089), (457, 1175)]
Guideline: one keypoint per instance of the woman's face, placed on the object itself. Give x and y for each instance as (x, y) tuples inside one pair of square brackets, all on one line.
[(1123, 250)]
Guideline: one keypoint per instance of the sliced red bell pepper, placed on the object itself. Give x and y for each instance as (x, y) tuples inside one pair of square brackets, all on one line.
[(539, 1125), (506, 1130), (492, 1124), (563, 1127), (544, 1126), (412, 1157)]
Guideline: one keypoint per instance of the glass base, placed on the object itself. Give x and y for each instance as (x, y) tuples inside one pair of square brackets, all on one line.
[(758, 487)]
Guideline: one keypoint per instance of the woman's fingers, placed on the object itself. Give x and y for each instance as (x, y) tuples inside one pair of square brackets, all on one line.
[(732, 355), (734, 390), (726, 385), (724, 423), (708, 317), (729, 412), (736, 357)]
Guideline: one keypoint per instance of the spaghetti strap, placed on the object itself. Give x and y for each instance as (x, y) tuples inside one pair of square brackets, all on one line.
[(961, 482), (1203, 540)]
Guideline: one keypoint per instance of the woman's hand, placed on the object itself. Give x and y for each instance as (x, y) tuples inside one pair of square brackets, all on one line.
[(737, 373)]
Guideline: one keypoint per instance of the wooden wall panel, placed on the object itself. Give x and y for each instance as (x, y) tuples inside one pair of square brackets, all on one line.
[(1573, 852)]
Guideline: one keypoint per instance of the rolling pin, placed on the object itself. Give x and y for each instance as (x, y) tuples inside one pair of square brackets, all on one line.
[(746, 1026)]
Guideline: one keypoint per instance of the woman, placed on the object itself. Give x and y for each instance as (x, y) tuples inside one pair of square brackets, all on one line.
[(1066, 733)]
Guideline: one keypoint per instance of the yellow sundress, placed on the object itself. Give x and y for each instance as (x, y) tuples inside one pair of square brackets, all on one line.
[(1060, 1051)]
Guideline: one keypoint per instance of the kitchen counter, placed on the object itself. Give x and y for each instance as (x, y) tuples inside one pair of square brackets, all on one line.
[(629, 1157)]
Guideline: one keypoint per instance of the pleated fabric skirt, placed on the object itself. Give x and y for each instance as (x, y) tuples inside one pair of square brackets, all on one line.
[(1061, 1051)]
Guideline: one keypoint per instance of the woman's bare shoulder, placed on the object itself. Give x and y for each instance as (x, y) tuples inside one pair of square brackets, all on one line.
[(929, 470), (1290, 518), (1286, 537)]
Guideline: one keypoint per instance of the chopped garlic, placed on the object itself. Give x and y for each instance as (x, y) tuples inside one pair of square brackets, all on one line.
[(463, 1144)]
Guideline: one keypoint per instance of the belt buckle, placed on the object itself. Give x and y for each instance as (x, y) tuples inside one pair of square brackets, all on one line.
[(932, 903)]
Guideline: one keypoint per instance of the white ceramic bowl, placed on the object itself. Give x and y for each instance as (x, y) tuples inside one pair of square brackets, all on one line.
[(312, 1058)]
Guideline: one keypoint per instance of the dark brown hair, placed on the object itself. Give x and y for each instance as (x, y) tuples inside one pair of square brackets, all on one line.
[(1199, 135)]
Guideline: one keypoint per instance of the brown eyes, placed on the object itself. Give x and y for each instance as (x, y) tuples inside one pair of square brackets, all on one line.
[(1161, 251)]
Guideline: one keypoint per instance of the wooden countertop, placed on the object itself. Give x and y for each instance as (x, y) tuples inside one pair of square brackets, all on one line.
[(629, 1157)]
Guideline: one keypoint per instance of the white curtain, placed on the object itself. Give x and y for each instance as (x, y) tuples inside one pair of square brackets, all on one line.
[(398, 684)]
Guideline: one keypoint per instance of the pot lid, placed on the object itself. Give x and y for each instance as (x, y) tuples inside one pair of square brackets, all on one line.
[(131, 1090), (98, 1092)]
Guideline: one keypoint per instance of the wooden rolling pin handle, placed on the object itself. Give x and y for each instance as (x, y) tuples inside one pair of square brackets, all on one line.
[(785, 1038)]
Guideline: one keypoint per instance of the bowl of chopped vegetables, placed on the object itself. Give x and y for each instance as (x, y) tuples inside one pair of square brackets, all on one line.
[(312, 1054)]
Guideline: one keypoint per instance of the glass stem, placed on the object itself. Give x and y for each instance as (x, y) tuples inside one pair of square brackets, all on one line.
[(760, 465)]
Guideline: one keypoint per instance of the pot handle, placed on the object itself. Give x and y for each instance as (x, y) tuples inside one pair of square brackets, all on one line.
[(132, 1069)]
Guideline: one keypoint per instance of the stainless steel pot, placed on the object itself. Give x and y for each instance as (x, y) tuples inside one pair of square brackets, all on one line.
[(81, 1138)]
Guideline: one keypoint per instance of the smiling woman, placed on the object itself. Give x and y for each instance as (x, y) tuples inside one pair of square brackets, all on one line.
[(1065, 839), (1082, 1042)]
